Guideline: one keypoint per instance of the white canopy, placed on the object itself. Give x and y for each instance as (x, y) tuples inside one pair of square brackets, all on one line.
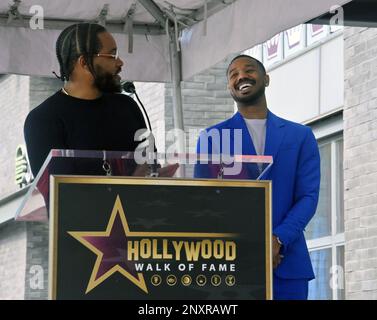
[(231, 26), (150, 33)]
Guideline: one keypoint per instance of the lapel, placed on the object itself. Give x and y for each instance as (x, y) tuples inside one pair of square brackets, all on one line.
[(274, 134)]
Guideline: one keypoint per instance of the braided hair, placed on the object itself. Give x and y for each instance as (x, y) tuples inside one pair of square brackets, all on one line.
[(77, 40)]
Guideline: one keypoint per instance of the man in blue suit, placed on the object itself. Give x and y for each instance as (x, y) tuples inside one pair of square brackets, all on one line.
[(295, 173)]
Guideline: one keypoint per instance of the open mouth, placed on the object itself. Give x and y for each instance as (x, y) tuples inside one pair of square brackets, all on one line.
[(245, 86)]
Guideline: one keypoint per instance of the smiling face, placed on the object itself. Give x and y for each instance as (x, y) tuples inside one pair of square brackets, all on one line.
[(246, 81)]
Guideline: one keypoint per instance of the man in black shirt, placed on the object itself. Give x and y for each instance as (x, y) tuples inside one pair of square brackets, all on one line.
[(88, 113)]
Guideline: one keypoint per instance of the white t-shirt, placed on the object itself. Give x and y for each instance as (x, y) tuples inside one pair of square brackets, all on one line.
[(257, 130)]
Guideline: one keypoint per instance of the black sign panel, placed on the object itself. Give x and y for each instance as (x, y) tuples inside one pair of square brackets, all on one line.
[(136, 238)]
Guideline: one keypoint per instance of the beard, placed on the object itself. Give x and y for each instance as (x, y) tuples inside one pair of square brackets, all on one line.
[(106, 81), (251, 99)]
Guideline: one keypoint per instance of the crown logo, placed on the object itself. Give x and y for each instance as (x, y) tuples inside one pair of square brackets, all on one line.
[(316, 29), (272, 47), (294, 36)]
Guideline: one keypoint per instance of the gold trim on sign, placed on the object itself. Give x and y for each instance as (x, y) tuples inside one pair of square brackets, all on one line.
[(53, 237), (159, 181), (268, 233)]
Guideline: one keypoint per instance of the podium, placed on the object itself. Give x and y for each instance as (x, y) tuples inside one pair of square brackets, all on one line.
[(126, 236)]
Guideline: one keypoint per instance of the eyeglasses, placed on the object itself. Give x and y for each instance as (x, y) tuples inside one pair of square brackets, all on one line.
[(108, 55)]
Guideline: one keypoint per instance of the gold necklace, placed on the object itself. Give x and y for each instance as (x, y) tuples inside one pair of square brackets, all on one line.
[(64, 91)]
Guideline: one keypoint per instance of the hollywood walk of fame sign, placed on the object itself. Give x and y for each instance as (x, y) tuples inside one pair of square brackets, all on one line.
[(138, 238)]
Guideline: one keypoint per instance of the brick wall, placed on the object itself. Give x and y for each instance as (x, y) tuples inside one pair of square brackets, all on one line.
[(36, 277), (14, 106), (12, 260), (36, 271), (360, 163), (24, 260), (18, 94), (41, 88), (23, 246)]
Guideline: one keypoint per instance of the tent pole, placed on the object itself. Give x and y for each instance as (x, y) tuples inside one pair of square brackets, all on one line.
[(176, 77)]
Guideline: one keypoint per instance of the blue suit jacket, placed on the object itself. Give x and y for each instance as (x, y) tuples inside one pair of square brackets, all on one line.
[(295, 176)]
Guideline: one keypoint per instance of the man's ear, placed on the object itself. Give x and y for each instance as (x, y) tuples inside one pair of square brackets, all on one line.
[(83, 63), (266, 80)]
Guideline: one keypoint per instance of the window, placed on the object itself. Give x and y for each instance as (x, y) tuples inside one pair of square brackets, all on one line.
[(325, 232)]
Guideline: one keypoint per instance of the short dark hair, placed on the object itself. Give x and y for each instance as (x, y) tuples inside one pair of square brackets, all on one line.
[(74, 41), (260, 64)]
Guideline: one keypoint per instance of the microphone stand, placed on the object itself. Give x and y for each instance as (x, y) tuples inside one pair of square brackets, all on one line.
[(129, 87)]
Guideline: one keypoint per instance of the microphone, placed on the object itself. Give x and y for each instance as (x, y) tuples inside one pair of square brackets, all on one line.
[(129, 87)]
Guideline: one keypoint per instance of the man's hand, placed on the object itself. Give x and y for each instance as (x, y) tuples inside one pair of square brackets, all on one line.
[(168, 171), (276, 256), (144, 170)]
